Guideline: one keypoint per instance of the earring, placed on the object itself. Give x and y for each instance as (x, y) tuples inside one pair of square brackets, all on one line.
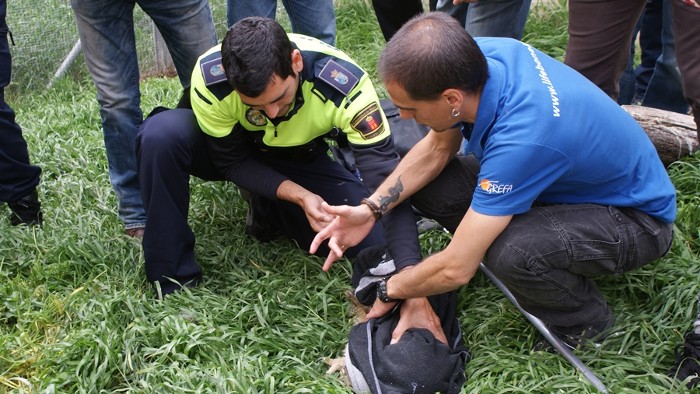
[(455, 113)]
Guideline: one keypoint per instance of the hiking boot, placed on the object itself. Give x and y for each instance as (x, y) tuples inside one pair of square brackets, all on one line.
[(424, 225), (255, 225), (687, 359), (135, 232), (26, 210)]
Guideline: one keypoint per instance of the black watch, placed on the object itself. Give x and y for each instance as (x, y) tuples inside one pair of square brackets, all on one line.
[(381, 290)]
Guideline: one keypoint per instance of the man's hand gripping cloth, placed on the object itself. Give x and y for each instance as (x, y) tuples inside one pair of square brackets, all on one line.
[(417, 363)]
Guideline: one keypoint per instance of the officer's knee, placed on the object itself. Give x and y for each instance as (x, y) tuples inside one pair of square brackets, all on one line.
[(165, 131)]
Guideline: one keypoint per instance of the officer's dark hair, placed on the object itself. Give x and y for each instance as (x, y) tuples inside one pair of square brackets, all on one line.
[(430, 53), (253, 51)]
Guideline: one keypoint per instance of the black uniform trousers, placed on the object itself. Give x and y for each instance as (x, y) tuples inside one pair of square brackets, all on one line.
[(18, 178), (170, 147)]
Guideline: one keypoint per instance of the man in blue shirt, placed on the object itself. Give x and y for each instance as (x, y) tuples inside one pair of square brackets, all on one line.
[(558, 185)]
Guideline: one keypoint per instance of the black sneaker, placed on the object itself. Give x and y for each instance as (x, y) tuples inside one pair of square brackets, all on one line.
[(424, 225), (255, 225), (593, 335), (687, 359), (26, 210)]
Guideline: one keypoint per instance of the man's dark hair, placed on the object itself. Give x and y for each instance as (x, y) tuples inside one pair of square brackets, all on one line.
[(430, 53), (253, 51)]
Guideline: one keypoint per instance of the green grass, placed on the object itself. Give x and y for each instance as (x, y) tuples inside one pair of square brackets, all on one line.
[(546, 28), (77, 315)]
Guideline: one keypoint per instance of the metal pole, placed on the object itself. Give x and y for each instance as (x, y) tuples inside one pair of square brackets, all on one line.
[(163, 61), (67, 62), (542, 328)]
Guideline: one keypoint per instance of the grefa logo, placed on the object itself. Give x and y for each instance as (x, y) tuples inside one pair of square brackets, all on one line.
[(493, 187)]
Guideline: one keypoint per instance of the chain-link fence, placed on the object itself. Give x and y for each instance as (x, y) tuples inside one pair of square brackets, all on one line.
[(45, 40)]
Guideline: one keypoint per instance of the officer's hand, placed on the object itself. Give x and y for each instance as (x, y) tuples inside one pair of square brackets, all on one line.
[(350, 226), (317, 217)]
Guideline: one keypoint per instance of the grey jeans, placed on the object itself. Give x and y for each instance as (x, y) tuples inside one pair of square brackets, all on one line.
[(549, 255)]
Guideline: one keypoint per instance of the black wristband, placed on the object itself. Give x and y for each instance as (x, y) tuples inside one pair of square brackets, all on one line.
[(376, 212), (382, 292)]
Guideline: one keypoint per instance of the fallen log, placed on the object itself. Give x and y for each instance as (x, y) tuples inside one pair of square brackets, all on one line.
[(674, 135)]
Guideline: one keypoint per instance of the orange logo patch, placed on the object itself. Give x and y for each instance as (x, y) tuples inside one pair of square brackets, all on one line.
[(485, 184)]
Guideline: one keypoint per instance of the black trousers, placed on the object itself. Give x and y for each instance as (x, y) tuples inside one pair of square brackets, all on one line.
[(170, 147), (18, 177), (392, 14), (549, 256)]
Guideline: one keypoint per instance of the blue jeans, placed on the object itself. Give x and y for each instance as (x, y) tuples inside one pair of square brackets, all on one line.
[(311, 18), (636, 79), (665, 90), (649, 28), (490, 18), (656, 81), (106, 30), (549, 255)]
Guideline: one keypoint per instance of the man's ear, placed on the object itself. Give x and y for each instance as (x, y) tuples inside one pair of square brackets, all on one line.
[(297, 61), (453, 97)]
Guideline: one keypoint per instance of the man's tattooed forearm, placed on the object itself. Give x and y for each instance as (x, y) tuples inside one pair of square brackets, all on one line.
[(393, 196)]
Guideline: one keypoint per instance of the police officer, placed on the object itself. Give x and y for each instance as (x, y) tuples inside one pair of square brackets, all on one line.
[(18, 178), (264, 103)]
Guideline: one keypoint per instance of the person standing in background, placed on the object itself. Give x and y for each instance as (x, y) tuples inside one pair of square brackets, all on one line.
[(106, 30), (686, 31), (311, 18), (656, 81), (489, 18), (600, 34), (18, 178), (484, 18), (392, 14)]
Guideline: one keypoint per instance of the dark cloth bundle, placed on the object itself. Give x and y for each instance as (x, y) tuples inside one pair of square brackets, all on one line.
[(406, 132), (417, 363)]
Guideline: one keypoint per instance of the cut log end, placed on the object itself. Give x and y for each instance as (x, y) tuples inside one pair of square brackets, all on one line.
[(674, 135)]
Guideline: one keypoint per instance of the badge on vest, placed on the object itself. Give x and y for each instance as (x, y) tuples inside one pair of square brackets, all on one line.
[(338, 77), (255, 117), (212, 71)]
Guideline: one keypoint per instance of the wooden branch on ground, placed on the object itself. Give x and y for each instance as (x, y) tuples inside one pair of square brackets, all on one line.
[(674, 135)]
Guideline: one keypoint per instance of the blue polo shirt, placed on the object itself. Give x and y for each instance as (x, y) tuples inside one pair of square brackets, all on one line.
[(544, 133)]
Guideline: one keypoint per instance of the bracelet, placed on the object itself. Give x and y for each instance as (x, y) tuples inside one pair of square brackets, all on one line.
[(382, 292), (376, 212)]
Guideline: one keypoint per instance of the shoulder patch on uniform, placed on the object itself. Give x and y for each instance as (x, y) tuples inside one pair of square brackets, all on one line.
[(212, 70), (338, 77), (368, 122)]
